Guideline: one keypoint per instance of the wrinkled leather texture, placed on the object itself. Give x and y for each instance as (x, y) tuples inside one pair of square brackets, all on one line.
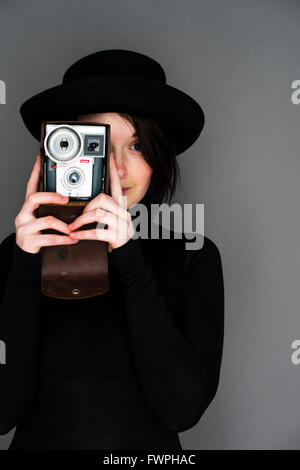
[(73, 271)]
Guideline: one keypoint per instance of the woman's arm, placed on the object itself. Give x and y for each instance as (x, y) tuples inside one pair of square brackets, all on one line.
[(177, 356), (20, 302)]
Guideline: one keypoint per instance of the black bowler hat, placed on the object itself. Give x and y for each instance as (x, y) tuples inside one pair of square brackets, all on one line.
[(117, 80)]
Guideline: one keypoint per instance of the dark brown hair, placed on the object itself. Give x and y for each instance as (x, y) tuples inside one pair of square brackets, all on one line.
[(158, 151)]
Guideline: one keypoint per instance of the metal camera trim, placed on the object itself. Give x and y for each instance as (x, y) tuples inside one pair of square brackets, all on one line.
[(54, 130)]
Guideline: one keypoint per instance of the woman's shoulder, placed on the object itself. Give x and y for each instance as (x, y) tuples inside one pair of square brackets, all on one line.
[(198, 249), (7, 243), (191, 245), (186, 251), (6, 251), (9, 239), (201, 247)]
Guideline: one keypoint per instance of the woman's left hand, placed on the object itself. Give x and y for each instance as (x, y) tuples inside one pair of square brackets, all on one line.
[(107, 210)]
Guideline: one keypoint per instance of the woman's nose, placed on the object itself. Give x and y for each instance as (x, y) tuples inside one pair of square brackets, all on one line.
[(120, 164)]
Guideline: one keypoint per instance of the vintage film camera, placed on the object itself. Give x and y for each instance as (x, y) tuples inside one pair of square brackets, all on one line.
[(75, 158)]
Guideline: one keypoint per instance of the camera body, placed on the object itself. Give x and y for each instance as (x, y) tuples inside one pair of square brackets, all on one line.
[(75, 158)]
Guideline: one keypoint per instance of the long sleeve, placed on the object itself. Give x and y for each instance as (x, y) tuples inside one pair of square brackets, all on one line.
[(177, 356), (19, 329)]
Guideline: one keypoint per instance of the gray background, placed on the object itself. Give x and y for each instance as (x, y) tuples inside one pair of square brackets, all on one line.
[(238, 59)]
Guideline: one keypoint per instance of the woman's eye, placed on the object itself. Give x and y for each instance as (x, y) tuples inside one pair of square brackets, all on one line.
[(138, 148)]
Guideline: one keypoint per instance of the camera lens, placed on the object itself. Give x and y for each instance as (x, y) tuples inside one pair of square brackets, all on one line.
[(64, 144), (74, 177)]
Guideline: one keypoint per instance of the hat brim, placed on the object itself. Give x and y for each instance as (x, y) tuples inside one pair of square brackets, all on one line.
[(181, 114)]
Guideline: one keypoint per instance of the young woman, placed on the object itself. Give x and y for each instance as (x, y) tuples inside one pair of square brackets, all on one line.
[(131, 368)]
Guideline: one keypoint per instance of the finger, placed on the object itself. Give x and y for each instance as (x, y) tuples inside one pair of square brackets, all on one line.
[(106, 202), (50, 240), (97, 215), (33, 182), (94, 234), (43, 223), (36, 198), (115, 183)]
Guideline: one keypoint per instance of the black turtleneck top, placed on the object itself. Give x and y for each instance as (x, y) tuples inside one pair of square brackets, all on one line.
[(129, 369)]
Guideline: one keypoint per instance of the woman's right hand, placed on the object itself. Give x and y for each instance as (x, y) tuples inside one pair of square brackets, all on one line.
[(28, 235)]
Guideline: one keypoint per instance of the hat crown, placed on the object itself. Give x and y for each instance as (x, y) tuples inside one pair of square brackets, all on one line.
[(115, 62), (117, 80)]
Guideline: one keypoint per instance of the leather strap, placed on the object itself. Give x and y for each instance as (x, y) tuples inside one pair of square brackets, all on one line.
[(73, 271)]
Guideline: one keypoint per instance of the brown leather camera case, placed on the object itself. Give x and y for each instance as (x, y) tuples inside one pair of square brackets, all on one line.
[(72, 271)]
